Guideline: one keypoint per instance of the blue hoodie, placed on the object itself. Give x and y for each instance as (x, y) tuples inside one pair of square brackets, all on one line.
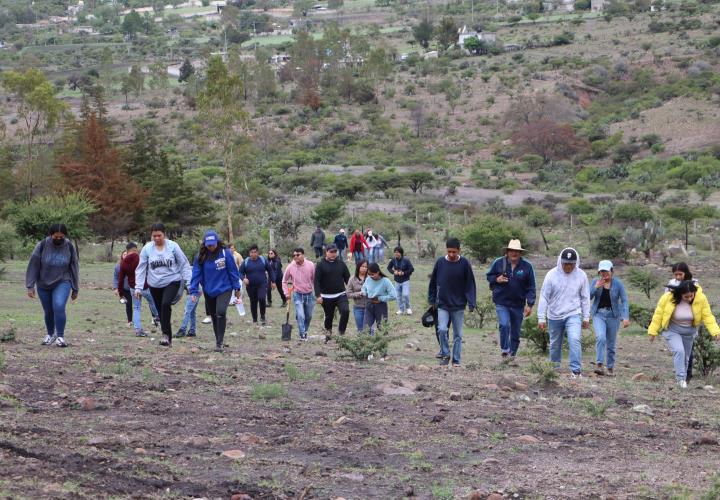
[(452, 285), (521, 287), (217, 274)]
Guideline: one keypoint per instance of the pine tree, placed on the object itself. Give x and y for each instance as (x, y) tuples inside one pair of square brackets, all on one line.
[(186, 71)]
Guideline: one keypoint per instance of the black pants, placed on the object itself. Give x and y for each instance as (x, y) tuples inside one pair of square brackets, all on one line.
[(257, 296), (278, 287), (318, 252), (343, 307), (163, 298), (128, 304), (217, 307)]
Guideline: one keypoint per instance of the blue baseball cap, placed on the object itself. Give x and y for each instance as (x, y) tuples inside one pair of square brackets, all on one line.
[(211, 238)]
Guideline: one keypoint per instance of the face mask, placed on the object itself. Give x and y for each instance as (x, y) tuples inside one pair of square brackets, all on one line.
[(58, 242)]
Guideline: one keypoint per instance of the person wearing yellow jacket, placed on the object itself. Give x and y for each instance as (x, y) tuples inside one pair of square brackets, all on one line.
[(678, 316)]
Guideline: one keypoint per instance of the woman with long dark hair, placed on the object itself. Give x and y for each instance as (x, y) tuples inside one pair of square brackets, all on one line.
[(123, 289), (681, 272), (214, 269), (678, 316), (54, 269), (354, 292), (167, 270), (276, 265)]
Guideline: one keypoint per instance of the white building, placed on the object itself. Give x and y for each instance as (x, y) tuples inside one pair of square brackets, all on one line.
[(480, 35)]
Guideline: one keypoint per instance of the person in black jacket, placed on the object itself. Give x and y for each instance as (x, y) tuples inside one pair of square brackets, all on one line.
[(401, 268), (276, 265), (331, 277)]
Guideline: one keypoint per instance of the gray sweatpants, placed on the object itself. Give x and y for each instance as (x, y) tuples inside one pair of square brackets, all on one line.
[(680, 341)]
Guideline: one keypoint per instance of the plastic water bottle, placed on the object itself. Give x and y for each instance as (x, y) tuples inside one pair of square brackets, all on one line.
[(240, 307)]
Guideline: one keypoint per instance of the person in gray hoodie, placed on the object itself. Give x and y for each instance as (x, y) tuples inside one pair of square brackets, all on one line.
[(54, 269), (564, 308), (168, 271)]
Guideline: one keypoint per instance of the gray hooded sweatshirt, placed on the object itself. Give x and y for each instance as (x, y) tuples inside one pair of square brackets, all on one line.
[(162, 268), (50, 265), (564, 294)]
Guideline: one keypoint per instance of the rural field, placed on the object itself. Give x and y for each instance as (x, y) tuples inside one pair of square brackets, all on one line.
[(113, 416)]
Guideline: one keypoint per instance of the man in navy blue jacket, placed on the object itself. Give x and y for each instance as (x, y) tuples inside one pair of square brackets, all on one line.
[(451, 289), (512, 281)]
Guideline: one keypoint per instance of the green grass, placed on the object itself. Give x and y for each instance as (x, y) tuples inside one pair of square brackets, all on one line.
[(2, 360), (267, 392), (442, 491)]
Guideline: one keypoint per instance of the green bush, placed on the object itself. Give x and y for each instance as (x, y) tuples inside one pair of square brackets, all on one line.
[(610, 244), (706, 353), (8, 334), (487, 236), (8, 241), (644, 279), (266, 392), (360, 347), (32, 219), (539, 339), (641, 315), (328, 211), (545, 372)]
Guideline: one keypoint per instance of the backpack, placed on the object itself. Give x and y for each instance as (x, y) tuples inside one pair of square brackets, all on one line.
[(261, 257)]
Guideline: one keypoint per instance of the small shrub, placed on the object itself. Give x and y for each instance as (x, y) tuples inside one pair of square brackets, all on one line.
[(595, 409), (2, 360), (706, 353), (484, 311), (8, 334), (266, 392), (539, 339), (644, 279), (641, 315), (610, 245), (360, 347), (545, 372)]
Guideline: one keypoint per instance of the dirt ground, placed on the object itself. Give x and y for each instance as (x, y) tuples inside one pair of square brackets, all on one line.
[(113, 416)]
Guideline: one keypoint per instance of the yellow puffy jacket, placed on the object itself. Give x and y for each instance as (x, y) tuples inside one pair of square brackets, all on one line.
[(700, 308)]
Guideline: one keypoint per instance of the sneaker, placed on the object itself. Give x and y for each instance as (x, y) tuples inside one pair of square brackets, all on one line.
[(409, 312), (191, 333), (165, 341), (49, 339), (303, 339), (218, 348), (576, 375), (156, 322), (600, 369), (444, 361), (207, 320), (439, 356), (610, 372), (682, 384), (399, 312), (60, 342), (180, 333), (283, 305), (512, 361), (130, 324), (140, 334), (328, 336), (263, 322)]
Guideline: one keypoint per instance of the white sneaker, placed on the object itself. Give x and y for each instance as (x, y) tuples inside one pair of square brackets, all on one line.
[(398, 312), (576, 375), (60, 342), (682, 384), (409, 312), (49, 339), (207, 320)]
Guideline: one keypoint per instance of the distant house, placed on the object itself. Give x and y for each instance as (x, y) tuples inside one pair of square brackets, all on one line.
[(559, 5), (480, 35), (597, 5), (512, 47)]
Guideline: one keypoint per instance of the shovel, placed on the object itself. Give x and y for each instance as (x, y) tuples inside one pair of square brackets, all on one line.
[(287, 327)]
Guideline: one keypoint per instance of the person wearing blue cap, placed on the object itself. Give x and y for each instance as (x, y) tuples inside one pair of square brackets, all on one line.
[(215, 270), (609, 307)]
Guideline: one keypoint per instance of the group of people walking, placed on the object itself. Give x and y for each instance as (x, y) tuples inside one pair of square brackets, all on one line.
[(160, 272)]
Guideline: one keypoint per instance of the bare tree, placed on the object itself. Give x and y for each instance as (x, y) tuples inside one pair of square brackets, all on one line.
[(418, 118)]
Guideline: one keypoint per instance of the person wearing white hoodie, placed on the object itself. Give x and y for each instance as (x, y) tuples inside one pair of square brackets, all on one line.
[(564, 308)]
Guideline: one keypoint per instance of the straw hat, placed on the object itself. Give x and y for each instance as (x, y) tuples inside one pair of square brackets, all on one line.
[(515, 245)]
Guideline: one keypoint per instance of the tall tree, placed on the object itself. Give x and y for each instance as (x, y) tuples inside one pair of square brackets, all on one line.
[(158, 76), (39, 110), (446, 33), (97, 171), (549, 140), (423, 33), (224, 121), (186, 70)]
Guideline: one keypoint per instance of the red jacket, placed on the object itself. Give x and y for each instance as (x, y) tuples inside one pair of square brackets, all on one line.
[(358, 240), (127, 269)]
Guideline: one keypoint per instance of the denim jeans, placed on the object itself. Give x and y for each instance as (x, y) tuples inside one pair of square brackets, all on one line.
[(359, 315), (509, 323), (136, 304), (402, 290), (375, 314), (572, 326), (358, 256), (189, 318), (606, 328), (304, 306), (151, 303), (456, 318), (53, 302)]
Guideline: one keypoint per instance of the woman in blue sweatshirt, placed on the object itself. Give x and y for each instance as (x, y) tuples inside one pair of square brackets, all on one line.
[(215, 270), (379, 291), (256, 273)]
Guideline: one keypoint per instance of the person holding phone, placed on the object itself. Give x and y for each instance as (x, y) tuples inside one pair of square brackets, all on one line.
[(609, 308)]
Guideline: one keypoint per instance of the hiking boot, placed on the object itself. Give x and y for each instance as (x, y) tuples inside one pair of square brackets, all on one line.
[(218, 348), (610, 372), (49, 339), (600, 369), (140, 333), (191, 333), (60, 342), (165, 341), (180, 333), (444, 361), (439, 356)]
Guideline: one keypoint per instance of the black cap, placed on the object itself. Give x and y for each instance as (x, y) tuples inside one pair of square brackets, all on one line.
[(130, 245), (568, 256), (331, 248)]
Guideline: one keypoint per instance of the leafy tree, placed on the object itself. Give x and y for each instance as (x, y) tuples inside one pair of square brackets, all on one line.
[(446, 33), (159, 76), (328, 211), (416, 181), (186, 70), (97, 171), (132, 24), (423, 33), (136, 80), (549, 140), (486, 236), (633, 211), (39, 110), (644, 279), (539, 217), (224, 121), (610, 244), (688, 213), (452, 96), (32, 219), (476, 46)]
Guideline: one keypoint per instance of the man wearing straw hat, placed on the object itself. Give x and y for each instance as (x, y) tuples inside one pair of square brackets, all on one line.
[(512, 281)]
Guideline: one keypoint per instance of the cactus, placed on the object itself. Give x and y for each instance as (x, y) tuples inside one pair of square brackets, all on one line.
[(645, 238)]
